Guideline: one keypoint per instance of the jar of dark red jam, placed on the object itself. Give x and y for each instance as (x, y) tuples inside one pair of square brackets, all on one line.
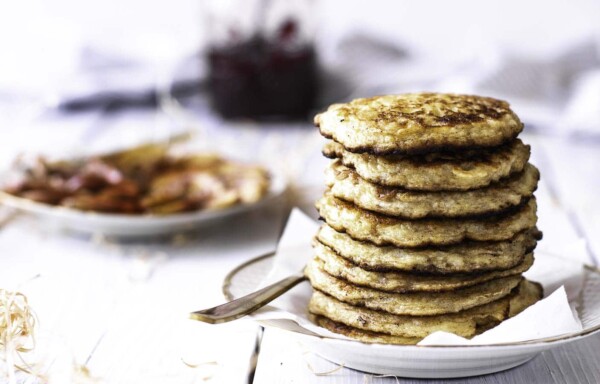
[(261, 59)]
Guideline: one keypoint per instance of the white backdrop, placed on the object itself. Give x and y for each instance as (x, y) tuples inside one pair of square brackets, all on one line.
[(40, 40)]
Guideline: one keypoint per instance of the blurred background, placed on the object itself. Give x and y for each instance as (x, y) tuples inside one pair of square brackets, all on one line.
[(247, 76), (542, 55)]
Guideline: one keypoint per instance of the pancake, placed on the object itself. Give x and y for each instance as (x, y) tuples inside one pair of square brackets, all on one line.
[(362, 335), (400, 282), (413, 303), (347, 185), (417, 123), (436, 172), (360, 322), (382, 230), (466, 257)]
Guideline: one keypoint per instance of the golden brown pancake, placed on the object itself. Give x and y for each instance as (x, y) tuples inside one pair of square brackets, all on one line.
[(360, 334), (413, 303), (346, 184), (436, 172), (466, 257), (361, 322), (383, 230), (401, 282), (416, 123)]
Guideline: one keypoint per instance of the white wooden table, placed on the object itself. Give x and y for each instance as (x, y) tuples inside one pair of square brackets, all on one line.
[(284, 360), (120, 307)]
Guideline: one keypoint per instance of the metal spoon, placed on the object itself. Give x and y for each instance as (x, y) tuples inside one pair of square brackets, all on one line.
[(247, 304)]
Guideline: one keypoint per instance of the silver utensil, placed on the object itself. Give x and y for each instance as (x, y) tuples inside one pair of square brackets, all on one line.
[(247, 304)]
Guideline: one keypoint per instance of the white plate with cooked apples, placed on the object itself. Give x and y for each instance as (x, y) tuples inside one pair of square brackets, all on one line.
[(152, 222)]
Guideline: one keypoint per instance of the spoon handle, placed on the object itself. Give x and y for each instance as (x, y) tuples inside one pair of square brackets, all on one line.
[(247, 304)]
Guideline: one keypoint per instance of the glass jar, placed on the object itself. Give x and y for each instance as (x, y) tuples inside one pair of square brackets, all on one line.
[(261, 58)]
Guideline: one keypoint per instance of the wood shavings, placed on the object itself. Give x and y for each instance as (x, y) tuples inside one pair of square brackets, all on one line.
[(395, 377), (144, 264), (180, 240), (21, 359), (196, 365), (83, 375), (99, 239), (325, 373), (207, 368), (7, 216), (17, 323), (368, 378)]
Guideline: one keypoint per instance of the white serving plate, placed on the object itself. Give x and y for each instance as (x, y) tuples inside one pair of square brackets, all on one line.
[(423, 361), (122, 225)]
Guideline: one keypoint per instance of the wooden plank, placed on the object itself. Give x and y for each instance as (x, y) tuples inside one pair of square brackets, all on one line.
[(284, 360), (121, 308)]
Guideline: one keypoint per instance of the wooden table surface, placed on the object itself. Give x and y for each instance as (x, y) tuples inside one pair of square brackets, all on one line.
[(283, 360), (119, 308)]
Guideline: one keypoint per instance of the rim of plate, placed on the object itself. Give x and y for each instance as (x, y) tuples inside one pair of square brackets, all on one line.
[(227, 282), (277, 188)]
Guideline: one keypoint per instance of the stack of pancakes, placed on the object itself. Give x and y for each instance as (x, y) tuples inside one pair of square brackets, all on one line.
[(430, 218)]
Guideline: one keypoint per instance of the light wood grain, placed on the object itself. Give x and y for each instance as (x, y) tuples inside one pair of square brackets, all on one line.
[(283, 360)]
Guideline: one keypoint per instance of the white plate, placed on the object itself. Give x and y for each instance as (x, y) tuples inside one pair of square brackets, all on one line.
[(135, 225), (424, 361)]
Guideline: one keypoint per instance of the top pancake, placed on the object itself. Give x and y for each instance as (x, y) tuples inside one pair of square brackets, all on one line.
[(419, 123)]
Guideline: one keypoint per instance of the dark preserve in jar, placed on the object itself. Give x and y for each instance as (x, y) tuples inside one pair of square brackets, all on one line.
[(264, 78)]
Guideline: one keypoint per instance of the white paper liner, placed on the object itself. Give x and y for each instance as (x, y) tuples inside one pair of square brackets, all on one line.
[(552, 316)]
